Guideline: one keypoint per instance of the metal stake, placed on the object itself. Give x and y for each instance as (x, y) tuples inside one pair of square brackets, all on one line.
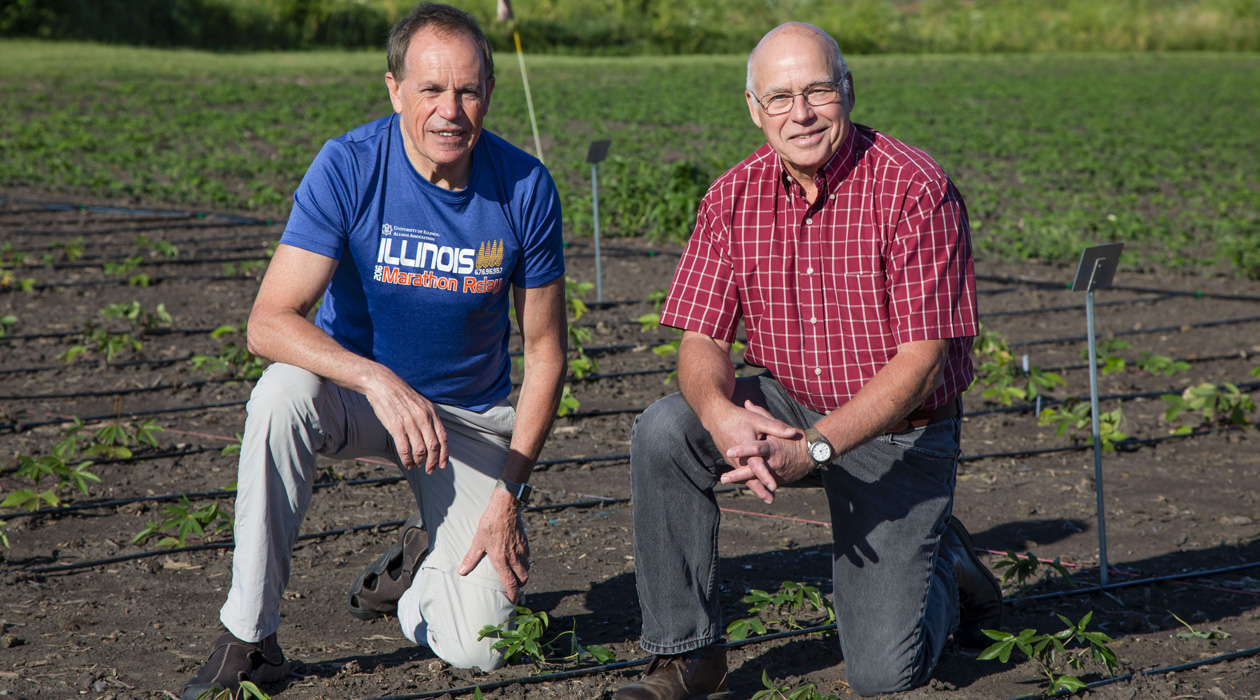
[(1093, 412), (1097, 267), (595, 155)]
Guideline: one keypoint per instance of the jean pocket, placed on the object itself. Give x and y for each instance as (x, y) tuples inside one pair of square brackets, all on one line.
[(939, 439)]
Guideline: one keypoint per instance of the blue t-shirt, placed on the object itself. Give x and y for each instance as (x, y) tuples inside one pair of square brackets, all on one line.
[(425, 272)]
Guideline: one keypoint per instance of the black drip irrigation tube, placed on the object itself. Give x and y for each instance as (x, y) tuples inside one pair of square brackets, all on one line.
[(159, 262), (138, 211), (22, 427), (1141, 331), (1152, 672), (111, 365), (154, 279), (68, 334), (1065, 286), (133, 229), (1080, 307)]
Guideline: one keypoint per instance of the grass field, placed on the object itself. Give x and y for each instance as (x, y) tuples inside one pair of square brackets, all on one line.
[(1052, 152)]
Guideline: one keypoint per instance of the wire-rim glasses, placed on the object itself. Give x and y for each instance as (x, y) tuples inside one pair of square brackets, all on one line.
[(817, 95)]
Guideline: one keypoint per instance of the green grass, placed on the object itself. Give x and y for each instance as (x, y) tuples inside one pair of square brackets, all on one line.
[(1052, 152)]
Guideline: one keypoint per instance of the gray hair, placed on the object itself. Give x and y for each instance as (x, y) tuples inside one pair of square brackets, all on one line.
[(437, 16), (839, 70)]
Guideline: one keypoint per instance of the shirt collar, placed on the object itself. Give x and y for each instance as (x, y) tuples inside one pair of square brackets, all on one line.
[(828, 177)]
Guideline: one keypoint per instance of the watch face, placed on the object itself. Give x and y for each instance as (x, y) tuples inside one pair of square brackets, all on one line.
[(820, 451)]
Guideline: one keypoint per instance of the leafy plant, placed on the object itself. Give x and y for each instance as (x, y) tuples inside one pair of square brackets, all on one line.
[(233, 358), (244, 267), (1004, 380), (1161, 364), (1192, 633), (247, 690), (781, 608), (1021, 569), (8, 280), (1074, 415), (99, 340), (133, 311), (234, 448), (1224, 403), (808, 691), (70, 250), (658, 297), (520, 639), (649, 322), (4, 536), (573, 293), (6, 323), (62, 465), (1112, 363), (124, 267), (1055, 653), (158, 246), (568, 402), (205, 521)]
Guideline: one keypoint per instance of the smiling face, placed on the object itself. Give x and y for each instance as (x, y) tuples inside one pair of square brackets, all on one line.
[(793, 59), (442, 97)]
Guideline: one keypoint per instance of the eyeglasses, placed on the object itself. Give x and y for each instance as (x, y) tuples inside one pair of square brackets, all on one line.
[(781, 102)]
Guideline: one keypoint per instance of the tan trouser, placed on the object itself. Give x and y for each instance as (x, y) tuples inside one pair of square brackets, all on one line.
[(294, 415)]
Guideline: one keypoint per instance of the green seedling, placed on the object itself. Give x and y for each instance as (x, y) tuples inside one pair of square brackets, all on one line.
[(100, 341), (1225, 404), (573, 293), (1073, 416), (583, 366), (243, 268), (1021, 569), (247, 690), (143, 432), (520, 639), (1055, 653), (234, 448), (649, 322), (206, 521), (808, 691), (124, 267), (142, 321), (4, 536), (7, 322), (70, 250), (31, 499), (10, 281), (568, 402), (1192, 633), (1107, 351), (1161, 364), (658, 297), (781, 608), (111, 441), (158, 246), (233, 359), (1255, 371)]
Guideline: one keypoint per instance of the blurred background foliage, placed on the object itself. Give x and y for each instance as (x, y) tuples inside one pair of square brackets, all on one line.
[(628, 27)]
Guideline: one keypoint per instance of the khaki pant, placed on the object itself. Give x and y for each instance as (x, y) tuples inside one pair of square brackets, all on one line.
[(294, 415)]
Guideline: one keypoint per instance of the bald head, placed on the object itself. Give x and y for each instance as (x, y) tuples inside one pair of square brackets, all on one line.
[(798, 39)]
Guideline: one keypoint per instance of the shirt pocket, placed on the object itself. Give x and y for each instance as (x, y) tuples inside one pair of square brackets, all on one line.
[(857, 298)]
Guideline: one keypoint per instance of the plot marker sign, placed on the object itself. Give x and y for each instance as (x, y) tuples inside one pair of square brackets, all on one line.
[(1097, 268), (595, 155)]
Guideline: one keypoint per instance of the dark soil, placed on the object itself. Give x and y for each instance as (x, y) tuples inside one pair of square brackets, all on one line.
[(140, 628)]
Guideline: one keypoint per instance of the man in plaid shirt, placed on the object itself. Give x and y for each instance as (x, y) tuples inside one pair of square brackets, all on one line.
[(847, 255)]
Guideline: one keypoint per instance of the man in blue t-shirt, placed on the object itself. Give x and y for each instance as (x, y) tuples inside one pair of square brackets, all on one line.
[(412, 229)]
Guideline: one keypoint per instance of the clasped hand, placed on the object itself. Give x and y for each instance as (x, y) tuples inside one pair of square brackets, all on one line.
[(764, 451)]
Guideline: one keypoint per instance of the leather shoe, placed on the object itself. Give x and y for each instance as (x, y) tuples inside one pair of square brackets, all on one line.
[(697, 675), (979, 593)]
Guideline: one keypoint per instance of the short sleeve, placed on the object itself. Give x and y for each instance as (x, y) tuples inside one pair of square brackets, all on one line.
[(931, 280), (703, 296), (542, 254), (323, 205)]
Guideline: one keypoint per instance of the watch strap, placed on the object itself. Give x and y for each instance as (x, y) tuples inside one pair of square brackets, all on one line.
[(812, 436), (521, 492)]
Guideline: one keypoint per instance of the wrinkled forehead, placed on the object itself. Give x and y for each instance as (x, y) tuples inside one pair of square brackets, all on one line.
[(434, 49), (791, 62)]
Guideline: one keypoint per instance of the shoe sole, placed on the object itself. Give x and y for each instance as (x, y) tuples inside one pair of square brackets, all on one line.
[(378, 567), (965, 537)]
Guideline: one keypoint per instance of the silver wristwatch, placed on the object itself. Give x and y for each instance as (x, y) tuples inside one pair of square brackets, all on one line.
[(819, 449), (520, 492)]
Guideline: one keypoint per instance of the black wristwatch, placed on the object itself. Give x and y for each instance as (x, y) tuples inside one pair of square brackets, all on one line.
[(819, 449), (520, 492)]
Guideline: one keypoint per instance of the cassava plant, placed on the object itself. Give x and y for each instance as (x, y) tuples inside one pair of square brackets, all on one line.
[(520, 638), (1056, 653)]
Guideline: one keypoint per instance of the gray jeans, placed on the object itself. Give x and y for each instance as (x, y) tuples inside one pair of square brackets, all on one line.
[(895, 595)]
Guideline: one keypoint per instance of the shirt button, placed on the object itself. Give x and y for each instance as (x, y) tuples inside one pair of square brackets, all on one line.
[(833, 196), (813, 319), (818, 370), (809, 270), (809, 221)]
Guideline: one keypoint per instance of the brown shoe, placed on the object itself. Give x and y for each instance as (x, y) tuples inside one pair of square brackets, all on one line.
[(979, 593), (376, 591), (696, 675), (234, 660)]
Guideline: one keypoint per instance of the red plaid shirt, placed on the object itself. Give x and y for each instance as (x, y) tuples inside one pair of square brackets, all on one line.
[(827, 292)]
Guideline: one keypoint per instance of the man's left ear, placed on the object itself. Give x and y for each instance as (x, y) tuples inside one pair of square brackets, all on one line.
[(849, 96)]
